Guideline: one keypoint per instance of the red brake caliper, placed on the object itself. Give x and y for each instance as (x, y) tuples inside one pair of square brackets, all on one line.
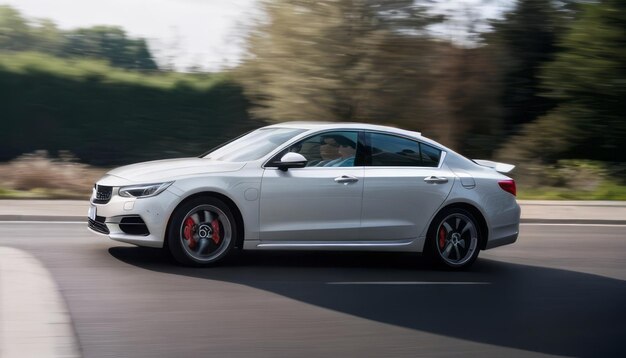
[(215, 225), (188, 232), (442, 237)]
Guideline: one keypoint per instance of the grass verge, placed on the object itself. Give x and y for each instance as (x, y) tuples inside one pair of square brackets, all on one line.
[(604, 191)]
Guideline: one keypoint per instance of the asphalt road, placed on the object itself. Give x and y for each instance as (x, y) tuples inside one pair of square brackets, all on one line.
[(560, 290)]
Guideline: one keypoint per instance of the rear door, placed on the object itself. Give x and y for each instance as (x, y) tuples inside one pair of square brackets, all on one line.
[(404, 184)]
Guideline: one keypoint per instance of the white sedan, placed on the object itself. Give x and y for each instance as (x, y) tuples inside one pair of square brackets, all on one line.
[(312, 186)]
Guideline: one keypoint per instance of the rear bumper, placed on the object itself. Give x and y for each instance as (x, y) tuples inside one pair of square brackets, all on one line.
[(501, 241), (504, 228)]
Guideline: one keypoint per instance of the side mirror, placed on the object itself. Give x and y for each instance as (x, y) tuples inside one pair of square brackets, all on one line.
[(291, 160)]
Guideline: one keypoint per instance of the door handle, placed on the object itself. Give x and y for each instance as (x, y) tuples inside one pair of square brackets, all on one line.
[(435, 180), (346, 179)]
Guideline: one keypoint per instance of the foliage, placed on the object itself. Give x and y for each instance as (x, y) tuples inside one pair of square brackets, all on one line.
[(38, 173), (80, 69), (588, 80), (109, 116), (548, 82), (110, 43), (106, 43), (355, 60), (572, 180), (607, 191), (522, 42)]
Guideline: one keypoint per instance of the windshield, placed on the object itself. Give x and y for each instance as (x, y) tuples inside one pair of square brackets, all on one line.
[(253, 145)]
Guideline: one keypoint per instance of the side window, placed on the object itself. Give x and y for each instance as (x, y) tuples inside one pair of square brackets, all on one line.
[(392, 151), (329, 149), (430, 155)]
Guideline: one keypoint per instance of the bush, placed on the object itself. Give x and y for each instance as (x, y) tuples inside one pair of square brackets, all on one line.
[(571, 179), (108, 116), (38, 173)]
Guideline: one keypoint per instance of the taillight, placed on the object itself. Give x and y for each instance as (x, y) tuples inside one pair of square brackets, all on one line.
[(508, 186)]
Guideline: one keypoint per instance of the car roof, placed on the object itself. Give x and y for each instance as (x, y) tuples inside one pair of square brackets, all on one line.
[(343, 125)]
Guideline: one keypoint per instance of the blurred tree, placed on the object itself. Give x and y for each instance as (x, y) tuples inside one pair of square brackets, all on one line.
[(359, 60), (110, 43), (14, 30), (100, 42), (588, 80), (46, 37), (523, 41)]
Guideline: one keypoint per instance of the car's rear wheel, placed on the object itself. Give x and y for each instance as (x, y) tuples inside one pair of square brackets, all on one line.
[(453, 238), (202, 232)]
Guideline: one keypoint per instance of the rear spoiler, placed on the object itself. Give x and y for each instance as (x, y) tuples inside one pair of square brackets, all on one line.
[(499, 167)]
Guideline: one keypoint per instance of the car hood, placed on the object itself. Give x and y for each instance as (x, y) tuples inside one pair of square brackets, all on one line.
[(171, 169)]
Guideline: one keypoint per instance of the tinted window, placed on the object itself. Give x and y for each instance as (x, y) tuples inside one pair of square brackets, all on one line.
[(392, 151), (329, 149), (430, 155)]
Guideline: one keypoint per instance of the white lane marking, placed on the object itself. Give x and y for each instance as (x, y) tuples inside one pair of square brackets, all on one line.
[(34, 319), (407, 283), (557, 224)]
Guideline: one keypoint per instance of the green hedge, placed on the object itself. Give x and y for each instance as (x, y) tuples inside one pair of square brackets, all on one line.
[(108, 116)]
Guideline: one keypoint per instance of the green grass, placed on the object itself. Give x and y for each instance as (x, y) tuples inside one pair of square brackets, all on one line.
[(605, 191)]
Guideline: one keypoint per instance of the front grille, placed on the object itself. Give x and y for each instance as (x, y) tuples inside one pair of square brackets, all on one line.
[(98, 226), (134, 225), (103, 194)]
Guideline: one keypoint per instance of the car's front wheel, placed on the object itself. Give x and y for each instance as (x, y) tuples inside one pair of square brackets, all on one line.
[(202, 232), (453, 238)]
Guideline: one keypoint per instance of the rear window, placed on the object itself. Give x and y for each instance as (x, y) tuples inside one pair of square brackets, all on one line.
[(393, 151), (430, 155)]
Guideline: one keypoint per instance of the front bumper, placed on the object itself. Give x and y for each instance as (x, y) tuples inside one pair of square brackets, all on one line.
[(138, 221)]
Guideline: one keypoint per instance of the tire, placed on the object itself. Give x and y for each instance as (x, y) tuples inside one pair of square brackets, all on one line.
[(453, 239), (202, 232)]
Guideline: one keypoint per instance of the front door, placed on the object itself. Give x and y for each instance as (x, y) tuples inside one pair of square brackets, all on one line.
[(318, 203)]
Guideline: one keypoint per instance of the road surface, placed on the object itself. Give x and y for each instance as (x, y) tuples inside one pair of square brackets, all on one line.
[(560, 290)]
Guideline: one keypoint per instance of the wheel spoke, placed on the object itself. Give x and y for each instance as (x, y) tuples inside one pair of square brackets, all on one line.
[(207, 216), (467, 227), (447, 226), (458, 222), (202, 244), (458, 254), (446, 252), (195, 218), (462, 243)]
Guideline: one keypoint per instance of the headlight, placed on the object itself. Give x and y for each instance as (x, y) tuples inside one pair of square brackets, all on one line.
[(143, 190)]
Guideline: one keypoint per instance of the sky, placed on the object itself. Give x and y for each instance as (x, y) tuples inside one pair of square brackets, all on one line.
[(462, 14), (208, 33)]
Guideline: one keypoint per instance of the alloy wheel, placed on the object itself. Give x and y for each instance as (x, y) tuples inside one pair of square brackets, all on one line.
[(205, 233), (457, 239)]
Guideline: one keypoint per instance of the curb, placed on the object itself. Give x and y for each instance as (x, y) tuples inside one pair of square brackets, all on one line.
[(35, 319), (42, 218)]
